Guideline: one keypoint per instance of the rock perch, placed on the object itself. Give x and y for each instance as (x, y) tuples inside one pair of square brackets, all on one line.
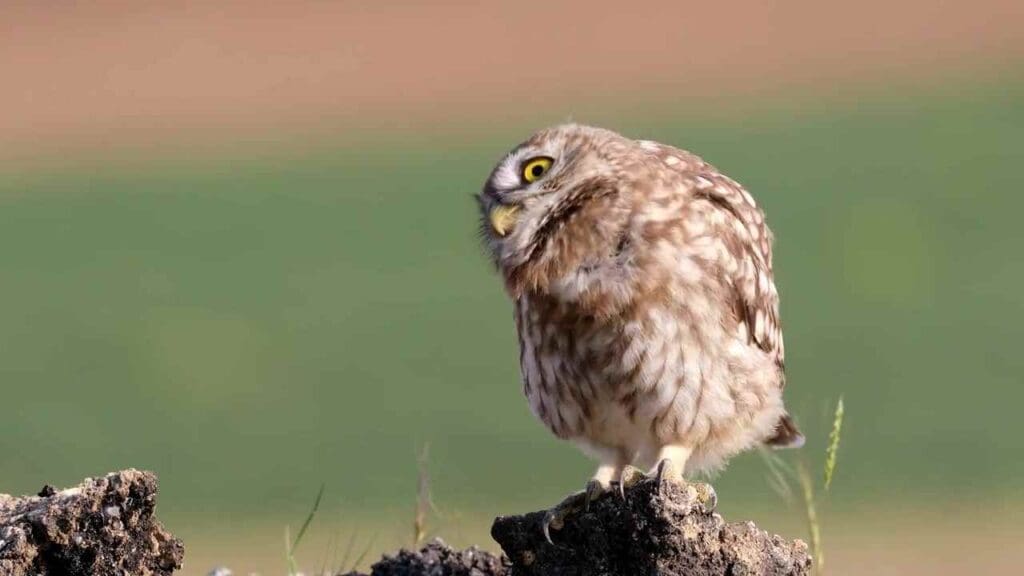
[(659, 530), (662, 529), (103, 526)]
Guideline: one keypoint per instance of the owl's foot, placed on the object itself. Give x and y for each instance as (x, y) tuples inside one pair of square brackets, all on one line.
[(594, 490), (578, 502), (667, 471), (555, 517), (629, 478)]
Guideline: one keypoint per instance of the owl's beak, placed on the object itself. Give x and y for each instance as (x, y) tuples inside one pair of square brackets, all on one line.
[(503, 218)]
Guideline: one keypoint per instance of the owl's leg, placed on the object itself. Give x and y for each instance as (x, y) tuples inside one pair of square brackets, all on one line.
[(671, 462), (607, 473), (628, 478), (611, 461), (665, 463)]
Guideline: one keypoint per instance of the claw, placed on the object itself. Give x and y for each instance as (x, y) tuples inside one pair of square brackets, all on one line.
[(555, 517), (546, 526), (630, 477), (580, 501), (667, 471), (593, 491), (660, 475)]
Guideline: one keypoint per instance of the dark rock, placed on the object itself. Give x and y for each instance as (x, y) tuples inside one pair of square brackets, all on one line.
[(438, 559), (103, 526), (664, 530)]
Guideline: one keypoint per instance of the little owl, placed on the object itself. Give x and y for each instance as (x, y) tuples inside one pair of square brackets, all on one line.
[(647, 314)]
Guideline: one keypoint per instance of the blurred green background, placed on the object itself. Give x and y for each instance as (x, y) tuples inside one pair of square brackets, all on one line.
[(253, 324)]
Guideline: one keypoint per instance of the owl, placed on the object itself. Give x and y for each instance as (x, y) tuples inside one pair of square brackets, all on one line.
[(644, 302)]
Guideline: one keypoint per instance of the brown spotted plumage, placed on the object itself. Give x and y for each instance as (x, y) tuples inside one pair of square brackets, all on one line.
[(645, 305)]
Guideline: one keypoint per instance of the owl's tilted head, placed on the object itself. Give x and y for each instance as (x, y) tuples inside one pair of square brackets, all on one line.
[(554, 208)]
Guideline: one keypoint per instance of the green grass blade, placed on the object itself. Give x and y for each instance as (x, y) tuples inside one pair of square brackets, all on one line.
[(811, 510), (423, 500), (289, 557), (362, 556), (778, 474), (292, 545), (833, 444), (309, 518), (348, 552), (332, 550)]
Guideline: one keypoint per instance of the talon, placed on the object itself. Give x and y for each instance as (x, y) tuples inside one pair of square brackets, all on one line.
[(620, 490), (630, 477), (546, 526), (593, 491), (667, 471), (555, 517), (660, 475)]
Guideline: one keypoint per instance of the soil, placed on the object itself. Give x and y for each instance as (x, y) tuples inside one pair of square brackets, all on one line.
[(657, 529), (107, 526), (438, 559), (103, 526)]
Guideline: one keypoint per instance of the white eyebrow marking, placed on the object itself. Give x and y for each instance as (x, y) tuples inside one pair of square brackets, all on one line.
[(507, 176)]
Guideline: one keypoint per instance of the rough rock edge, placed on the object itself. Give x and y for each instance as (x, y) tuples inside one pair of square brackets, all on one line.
[(664, 529), (102, 526), (659, 530), (438, 559)]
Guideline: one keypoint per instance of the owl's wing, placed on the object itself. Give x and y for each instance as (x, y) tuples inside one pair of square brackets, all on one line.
[(746, 236), (741, 226)]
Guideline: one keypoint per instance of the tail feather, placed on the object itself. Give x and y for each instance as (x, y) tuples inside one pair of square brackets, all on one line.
[(786, 434)]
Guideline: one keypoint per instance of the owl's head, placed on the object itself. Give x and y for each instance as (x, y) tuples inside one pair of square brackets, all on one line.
[(554, 209)]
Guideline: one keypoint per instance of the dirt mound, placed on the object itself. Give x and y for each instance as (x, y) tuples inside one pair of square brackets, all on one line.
[(103, 526), (661, 528), (438, 559), (657, 529), (106, 526)]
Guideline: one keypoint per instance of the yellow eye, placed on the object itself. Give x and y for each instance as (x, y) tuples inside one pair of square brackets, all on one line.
[(536, 167)]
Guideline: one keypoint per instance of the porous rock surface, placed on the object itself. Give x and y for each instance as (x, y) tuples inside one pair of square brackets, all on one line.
[(103, 526), (106, 526), (438, 559), (656, 530), (664, 529)]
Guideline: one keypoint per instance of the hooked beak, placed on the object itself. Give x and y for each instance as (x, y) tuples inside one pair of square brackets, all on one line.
[(503, 218)]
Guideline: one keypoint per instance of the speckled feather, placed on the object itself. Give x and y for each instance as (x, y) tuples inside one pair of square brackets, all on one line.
[(644, 298)]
